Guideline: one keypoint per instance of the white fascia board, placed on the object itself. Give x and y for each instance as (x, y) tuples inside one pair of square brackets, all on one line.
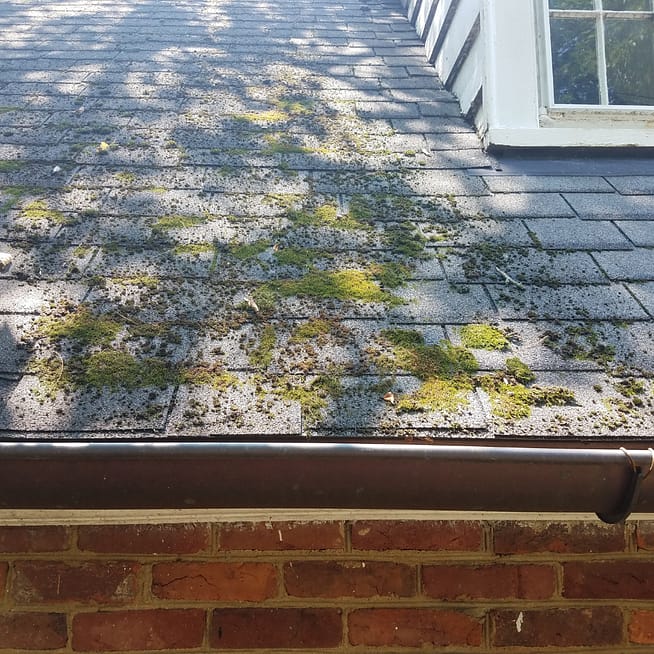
[(469, 80), (464, 19), (569, 137)]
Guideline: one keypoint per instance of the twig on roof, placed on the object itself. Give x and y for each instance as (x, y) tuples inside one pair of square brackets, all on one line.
[(510, 279)]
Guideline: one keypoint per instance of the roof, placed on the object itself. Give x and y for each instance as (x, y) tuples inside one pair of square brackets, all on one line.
[(246, 221)]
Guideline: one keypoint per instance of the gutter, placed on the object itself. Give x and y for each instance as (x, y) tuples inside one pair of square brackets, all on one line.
[(192, 475)]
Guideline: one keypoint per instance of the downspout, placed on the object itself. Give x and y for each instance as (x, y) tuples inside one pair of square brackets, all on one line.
[(120, 475)]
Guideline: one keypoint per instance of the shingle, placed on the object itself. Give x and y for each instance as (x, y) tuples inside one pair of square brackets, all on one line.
[(593, 206), (576, 234), (633, 184), (636, 265), (640, 233), (546, 184), (644, 292), (517, 205)]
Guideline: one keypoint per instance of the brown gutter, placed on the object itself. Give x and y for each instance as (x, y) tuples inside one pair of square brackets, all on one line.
[(86, 475)]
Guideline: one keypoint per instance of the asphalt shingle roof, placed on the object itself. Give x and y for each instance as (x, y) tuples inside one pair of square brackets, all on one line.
[(268, 220)]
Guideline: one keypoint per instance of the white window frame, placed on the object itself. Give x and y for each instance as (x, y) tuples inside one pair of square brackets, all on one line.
[(518, 91)]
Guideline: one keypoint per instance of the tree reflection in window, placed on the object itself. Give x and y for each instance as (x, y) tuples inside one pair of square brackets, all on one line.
[(602, 51)]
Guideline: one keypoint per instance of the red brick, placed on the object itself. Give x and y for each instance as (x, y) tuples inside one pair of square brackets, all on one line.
[(413, 628), (30, 631), (46, 581), (146, 539), (463, 582), (275, 628), (557, 537), (245, 582), (641, 627), (349, 579), (282, 536), (609, 579), (3, 577), (645, 535), (34, 539), (138, 630), (557, 627), (417, 535)]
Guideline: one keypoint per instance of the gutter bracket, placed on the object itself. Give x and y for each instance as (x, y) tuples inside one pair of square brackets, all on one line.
[(632, 492)]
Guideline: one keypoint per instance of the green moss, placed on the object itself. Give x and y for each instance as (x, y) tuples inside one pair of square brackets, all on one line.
[(405, 239), (295, 106), (13, 194), (437, 395), (145, 281), (81, 326), (116, 369), (311, 329), (442, 360), (52, 374), (270, 116), (10, 165), (282, 200), (157, 190), (325, 215), (213, 376), (483, 337), (81, 251), (312, 397), (581, 342), (630, 387), (176, 221), (339, 285), (193, 249), (299, 257), (390, 275), (360, 209), (245, 251), (277, 145), (8, 109), (125, 177), (39, 210), (519, 371), (262, 355)]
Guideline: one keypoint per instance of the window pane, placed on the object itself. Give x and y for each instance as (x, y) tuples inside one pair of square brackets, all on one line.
[(630, 61), (574, 61), (572, 4), (627, 5)]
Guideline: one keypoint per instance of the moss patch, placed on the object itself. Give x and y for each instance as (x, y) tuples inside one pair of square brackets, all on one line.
[(299, 257), (519, 371), (312, 397), (245, 251), (437, 395), (193, 249), (10, 165), (326, 215), (144, 281), (82, 326), (390, 275), (339, 285), (276, 145), (213, 376), (176, 221), (405, 239), (311, 329), (116, 369), (261, 356), (483, 337), (39, 210)]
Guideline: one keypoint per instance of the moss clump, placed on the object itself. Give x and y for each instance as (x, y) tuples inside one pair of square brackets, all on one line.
[(519, 371), (443, 360), (391, 275), (339, 285), (82, 326), (176, 221), (312, 397), (39, 210), (206, 375), (270, 116), (325, 215), (360, 209), (581, 342), (262, 355), (193, 249), (281, 200), (405, 240), (630, 387), (298, 257), (10, 165), (295, 106), (311, 329), (144, 281), (245, 251), (125, 177), (116, 369), (437, 395), (483, 337), (277, 145)]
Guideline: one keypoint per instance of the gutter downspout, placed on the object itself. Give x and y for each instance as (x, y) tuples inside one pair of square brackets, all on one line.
[(119, 475)]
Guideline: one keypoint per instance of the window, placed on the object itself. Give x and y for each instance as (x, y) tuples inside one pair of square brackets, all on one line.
[(601, 52)]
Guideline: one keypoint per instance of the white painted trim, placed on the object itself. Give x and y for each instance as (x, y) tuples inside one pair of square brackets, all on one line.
[(569, 137), (61, 517)]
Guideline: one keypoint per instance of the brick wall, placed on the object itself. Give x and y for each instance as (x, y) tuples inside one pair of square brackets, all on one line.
[(333, 586)]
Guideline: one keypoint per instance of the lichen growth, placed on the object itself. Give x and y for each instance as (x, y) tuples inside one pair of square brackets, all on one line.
[(483, 337)]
